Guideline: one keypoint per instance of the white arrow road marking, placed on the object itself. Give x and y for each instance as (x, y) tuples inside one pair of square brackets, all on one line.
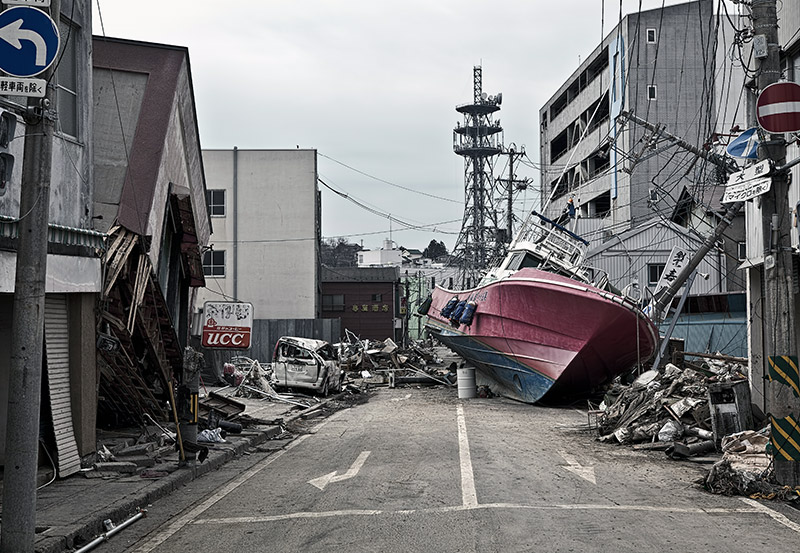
[(326, 479), (13, 34), (587, 473)]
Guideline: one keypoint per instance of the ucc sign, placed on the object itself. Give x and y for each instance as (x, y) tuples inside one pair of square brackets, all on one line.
[(227, 325)]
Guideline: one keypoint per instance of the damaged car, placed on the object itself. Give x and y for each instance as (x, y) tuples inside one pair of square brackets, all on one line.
[(306, 363)]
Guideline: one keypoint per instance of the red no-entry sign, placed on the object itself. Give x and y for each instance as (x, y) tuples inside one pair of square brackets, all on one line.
[(778, 108)]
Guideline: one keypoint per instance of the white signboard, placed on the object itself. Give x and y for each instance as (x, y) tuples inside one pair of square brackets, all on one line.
[(759, 170), (746, 190), (677, 260), (748, 183), (227, 324), (37, 3), (12, 86)]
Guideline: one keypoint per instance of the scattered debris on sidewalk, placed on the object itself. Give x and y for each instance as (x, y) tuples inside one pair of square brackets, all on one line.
[(745, 469)]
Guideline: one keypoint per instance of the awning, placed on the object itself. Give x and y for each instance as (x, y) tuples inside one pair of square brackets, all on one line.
[(58, 234)]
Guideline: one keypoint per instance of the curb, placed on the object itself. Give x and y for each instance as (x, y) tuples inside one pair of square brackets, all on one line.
[(83, 531)]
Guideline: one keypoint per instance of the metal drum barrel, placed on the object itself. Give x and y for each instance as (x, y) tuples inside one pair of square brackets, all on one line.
[(466, 383)]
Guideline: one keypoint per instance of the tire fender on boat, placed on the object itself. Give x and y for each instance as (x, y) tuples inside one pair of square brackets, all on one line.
[(448, 308), (425, 305), (457, 312), (469, 313)]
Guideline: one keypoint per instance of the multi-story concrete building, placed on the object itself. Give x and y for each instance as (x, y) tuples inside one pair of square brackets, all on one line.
[(657, 64), (667, 67), (265, 212)]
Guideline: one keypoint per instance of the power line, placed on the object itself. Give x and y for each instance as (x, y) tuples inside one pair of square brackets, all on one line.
[(407, 189)]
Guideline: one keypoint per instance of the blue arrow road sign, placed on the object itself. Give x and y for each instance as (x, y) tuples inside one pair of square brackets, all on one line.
[(28, 41), (745, 145)]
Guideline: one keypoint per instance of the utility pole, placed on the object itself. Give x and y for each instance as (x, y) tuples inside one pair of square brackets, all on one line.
[(512, 184), (18, 531), (779, 316)]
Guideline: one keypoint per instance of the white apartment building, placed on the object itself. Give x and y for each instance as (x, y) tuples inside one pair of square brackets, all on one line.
[(265, 213)]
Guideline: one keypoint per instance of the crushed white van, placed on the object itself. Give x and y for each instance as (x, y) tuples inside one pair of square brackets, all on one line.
[(306, 363)]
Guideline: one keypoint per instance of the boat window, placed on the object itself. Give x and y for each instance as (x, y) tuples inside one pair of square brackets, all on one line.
[(514, 261), (522, 260), (530, 261)]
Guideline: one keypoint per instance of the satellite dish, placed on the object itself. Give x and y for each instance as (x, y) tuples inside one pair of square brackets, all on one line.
[(499, 98), (484, 96)]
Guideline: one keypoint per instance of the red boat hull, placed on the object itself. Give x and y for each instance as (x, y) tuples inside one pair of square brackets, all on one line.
[(537, 333)]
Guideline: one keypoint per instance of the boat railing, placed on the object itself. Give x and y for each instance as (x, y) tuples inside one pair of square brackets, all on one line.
[(553, 240)]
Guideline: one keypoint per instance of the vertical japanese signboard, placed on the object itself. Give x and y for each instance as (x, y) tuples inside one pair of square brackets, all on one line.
[(227, 324), (677, 259)]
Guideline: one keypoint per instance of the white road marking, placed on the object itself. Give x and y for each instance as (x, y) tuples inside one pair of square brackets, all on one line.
[(775, 515), (323, 481), (498, 506), (468, 496), (587, 473), (191, 516)]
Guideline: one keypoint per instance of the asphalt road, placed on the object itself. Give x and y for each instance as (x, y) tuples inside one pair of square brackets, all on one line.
[(418, 470)]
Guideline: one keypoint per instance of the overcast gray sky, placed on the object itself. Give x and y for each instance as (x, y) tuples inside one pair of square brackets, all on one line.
[(373, 85)]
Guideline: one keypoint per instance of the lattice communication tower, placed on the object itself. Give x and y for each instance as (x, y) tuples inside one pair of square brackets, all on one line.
[(478, 139)]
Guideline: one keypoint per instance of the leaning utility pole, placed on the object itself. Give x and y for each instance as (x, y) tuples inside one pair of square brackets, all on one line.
[(18, 531), (779, 314)]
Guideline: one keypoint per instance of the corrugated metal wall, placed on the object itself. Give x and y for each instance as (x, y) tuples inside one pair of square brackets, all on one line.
[(627, 261), (712, 333), (265, 335)]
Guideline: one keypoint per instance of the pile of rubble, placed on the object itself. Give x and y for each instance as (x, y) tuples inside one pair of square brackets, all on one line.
[(673, 411), (386, 363), (251, 379), (665, 409)]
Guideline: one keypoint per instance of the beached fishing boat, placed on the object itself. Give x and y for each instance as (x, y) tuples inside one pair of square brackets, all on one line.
[(541, 323)]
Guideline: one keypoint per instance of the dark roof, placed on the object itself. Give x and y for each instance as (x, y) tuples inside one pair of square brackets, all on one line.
[(359, 274), (165, 66)]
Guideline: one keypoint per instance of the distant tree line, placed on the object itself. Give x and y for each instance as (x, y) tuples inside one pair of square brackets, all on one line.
[(338, 252), (435, 249)]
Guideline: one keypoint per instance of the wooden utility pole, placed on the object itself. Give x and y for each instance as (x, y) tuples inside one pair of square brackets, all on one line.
[(779, 311), (18, 531)]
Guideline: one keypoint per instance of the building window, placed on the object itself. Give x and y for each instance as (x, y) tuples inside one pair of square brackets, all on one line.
[(651, 92), (377, 297), (654, 271), (333, 302), (214, 263), (215, 200), (651, 36), (741, 251), (67, 81)]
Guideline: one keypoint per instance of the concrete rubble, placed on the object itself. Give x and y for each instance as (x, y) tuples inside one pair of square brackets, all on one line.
[(694, 413)]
